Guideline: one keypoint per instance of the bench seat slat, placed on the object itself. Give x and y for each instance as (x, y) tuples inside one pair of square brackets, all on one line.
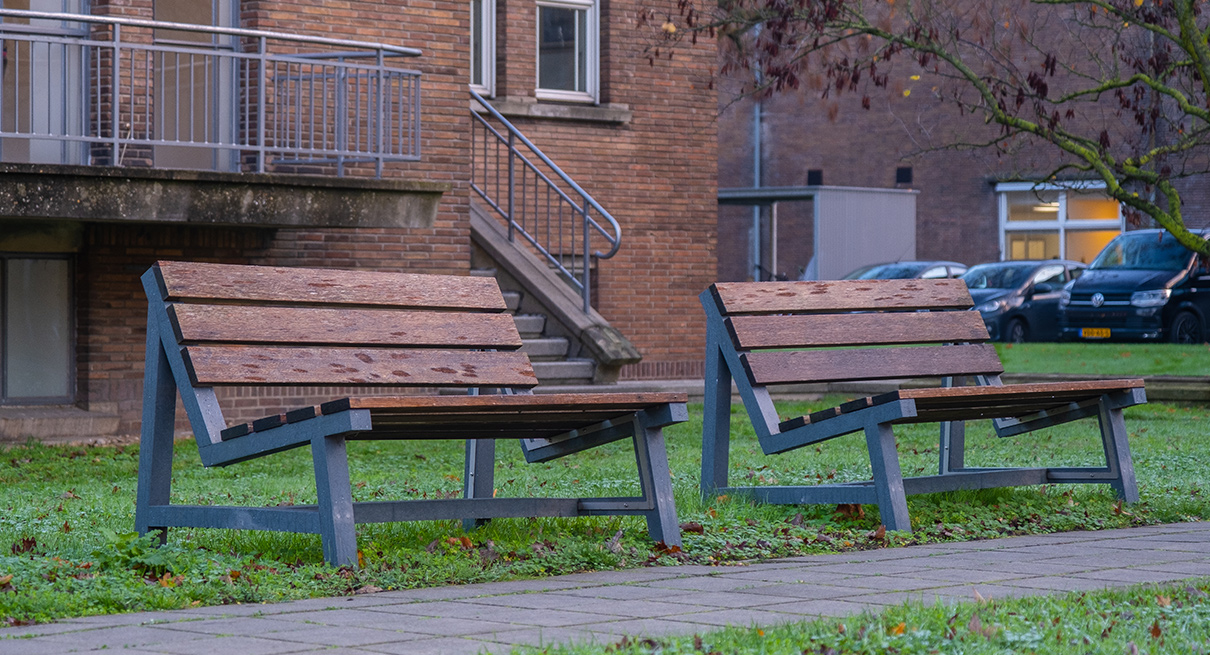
[(325, 326), (782, 367), (839, 296), (534, 402), (277, 365), (195, 281), (810, 330)]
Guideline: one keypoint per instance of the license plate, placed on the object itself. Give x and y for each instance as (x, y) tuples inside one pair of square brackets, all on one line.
[(1094, 333)]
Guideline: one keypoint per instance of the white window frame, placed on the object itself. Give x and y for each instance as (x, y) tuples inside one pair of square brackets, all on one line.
[(1059, 223), (487, 58), (593, 55)]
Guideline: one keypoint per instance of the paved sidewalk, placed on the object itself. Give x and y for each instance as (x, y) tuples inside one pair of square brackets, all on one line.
[(652, 601)]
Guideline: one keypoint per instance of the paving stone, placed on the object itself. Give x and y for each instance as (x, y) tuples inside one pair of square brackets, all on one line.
[(31, 647), (551, 636), (1047, 567), (344, 635), (228, 625), (441, 646), (791, 575), (1132, 576), (741, 617), (624, 592), (480, 613), (593, 606), (1063, 583), (892, 583), (370, 618), (235, 644), (1196, 569), (962, 575), (643, 628), (946, 595), (123, 636), (1125, 558), (865, 568), (800, 591), (833, 608), (723, 599)]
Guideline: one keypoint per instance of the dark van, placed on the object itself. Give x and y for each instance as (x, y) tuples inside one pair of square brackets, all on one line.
[(1144, 286)]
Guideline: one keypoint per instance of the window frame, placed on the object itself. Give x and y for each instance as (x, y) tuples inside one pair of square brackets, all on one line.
[(72, 345), (486, 58), (592, 57), (1060, 223)]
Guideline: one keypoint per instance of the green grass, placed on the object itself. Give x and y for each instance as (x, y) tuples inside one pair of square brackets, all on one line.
[(1114, 359), (68, 513), (1143, 619)]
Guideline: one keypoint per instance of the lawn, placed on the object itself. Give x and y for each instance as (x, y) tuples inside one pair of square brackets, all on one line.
[(66, 547), (1106, 359), (1143, 619)]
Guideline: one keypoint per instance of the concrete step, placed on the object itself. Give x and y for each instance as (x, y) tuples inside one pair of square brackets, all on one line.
[(545, 349), (512, 299), (570, 371), (483, 272), (530, 325)]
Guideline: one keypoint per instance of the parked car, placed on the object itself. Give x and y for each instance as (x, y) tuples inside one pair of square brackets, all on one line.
[(1144, 286), (908, 270), (1019, 299)]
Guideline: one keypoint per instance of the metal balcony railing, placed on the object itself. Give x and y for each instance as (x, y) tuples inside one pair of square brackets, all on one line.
[(96, 90), (538, 200)]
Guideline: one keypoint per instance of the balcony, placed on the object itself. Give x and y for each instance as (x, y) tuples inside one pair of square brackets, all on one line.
[(101, 91)]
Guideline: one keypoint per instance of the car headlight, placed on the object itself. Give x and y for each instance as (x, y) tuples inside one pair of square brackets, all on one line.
[(990, 307), (1152, 298)]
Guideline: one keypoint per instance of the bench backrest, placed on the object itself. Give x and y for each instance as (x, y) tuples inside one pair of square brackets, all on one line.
[(833, 331), (254, 325)]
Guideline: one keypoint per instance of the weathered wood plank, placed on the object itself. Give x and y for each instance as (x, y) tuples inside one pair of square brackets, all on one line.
[(780, 367), (809, 330), (276, 365), (839, 296), (528, 403), (327, 326), (195, 281)]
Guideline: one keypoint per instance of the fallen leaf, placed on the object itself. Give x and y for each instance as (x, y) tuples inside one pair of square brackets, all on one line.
[(879, 534), (1155, 629), (615, 545), (361, 559), (898, 629), (979, 597), (6, 580), (368, 589), (796, 520), (693, 527), (850, 510), (466, 542), (70, 494), (1163, 601), (66, 527)]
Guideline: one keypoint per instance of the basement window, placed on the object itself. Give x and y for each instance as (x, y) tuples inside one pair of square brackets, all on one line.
[(36, 330)]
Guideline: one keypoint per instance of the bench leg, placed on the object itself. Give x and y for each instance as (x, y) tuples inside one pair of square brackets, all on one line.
[(888, 479), (655, 478), (155, 439), (1117, 451), (478, 475), (336, 526), (716, 424), (953, 447)]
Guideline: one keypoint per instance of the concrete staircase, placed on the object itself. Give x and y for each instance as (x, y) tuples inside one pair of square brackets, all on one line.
[(548, 351)]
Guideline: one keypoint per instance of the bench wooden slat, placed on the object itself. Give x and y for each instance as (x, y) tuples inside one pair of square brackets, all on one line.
[(809, 330), (279, 365), (780, 367), (528, 403), (316, 326), (839, 296), (194, 282)]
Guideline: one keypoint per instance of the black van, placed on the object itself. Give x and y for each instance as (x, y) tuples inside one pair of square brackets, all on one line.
[(1143, 286)]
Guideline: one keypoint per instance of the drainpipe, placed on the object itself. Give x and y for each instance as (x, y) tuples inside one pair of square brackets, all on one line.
[(754, 257)]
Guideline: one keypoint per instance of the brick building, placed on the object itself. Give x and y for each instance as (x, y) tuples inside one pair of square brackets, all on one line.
[(972, 206), (289, 133)]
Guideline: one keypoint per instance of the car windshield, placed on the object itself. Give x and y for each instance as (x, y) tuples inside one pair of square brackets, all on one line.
[(998, 276), (1148, 251), (896, 271)]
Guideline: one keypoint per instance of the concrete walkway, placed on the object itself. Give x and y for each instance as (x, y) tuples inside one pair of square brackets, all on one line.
[(651, 601)]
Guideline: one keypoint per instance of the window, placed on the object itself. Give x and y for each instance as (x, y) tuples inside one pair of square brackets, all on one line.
[(567, 51), (36, 330), (483, 46), (1047, 221)]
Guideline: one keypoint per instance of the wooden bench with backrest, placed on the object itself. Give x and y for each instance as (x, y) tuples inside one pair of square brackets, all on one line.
[(776, 333), (212, 325)]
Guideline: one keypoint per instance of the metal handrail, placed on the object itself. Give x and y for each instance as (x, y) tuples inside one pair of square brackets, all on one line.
[(516, 194), (242, 100)]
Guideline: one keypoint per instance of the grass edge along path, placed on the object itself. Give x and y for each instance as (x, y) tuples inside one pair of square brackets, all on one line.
[(1147, 619)]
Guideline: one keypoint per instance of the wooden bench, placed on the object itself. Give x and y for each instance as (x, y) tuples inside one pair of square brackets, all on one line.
[(211, 325), (767, 334)]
